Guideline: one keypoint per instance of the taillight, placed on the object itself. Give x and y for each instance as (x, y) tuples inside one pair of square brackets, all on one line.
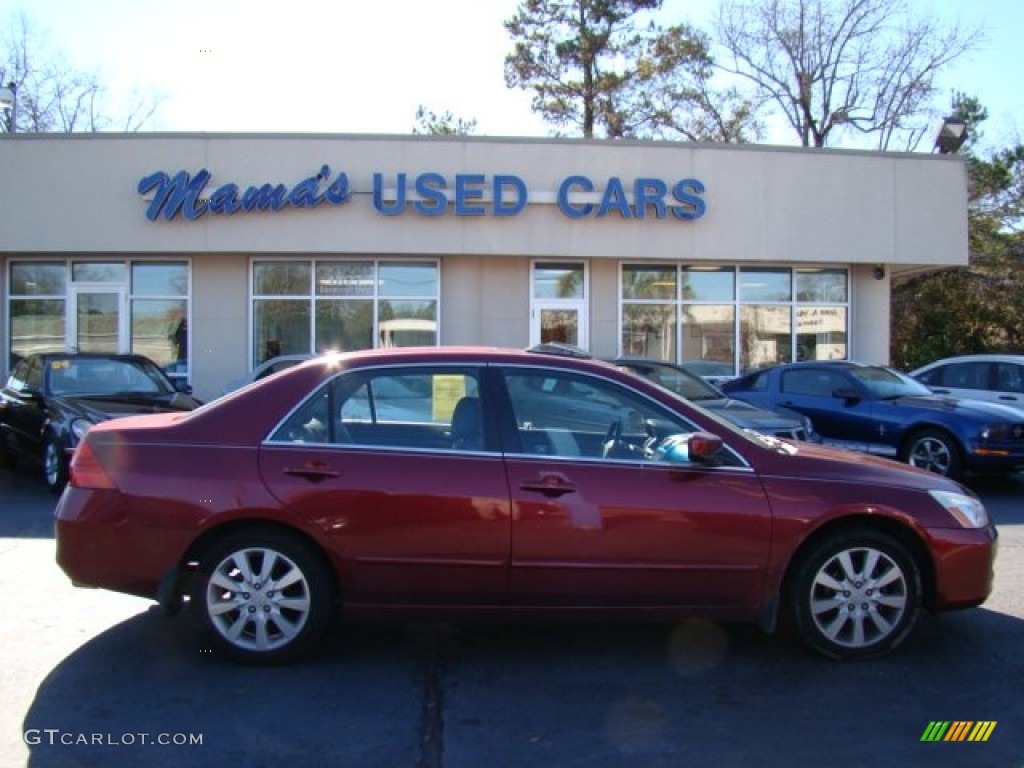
[(86, 470)]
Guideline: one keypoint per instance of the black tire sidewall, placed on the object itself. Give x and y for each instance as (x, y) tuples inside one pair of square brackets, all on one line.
[(63, 462), (807, 569), (305, 558)]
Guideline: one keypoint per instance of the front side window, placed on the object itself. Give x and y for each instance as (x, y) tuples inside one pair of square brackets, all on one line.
[(569, 415)]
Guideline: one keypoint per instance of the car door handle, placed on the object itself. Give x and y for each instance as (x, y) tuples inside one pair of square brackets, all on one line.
[(312, 472), (940, 391), (1008, 397), (550, 487)]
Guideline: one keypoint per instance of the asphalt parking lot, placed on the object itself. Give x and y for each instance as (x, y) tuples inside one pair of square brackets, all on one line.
[(97, 679)]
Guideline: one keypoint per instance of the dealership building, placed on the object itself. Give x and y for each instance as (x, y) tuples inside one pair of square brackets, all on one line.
[(211, 253)]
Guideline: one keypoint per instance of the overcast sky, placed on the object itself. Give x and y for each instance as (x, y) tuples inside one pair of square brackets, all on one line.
[(351, 66)]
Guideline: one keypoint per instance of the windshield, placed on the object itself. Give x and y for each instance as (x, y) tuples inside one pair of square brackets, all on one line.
[(888, 384), (674, 380), (100, 376)]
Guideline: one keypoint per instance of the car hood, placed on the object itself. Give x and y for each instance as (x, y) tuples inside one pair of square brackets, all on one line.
[(748, 416), (978, 409), (102, 407), (827, 463)]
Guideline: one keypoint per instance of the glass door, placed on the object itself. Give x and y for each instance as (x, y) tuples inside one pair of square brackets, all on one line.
[(558, 311), (98, 320)]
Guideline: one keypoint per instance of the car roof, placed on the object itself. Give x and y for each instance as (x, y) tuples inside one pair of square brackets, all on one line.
[(480, 354), (988, 357)]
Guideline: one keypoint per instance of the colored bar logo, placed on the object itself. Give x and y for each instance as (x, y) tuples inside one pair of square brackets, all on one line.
[(959, 730)]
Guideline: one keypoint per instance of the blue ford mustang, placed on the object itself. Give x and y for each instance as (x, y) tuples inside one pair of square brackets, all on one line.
[(878, 410)]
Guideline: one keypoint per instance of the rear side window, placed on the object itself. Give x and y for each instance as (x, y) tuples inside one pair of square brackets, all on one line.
[(433, 409)]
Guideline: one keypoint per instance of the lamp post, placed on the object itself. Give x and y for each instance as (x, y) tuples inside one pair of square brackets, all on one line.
[(951, 136), (9, 103)]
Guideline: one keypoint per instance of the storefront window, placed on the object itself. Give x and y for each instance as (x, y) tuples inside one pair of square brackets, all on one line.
[(649, 330), (39, 279), (708, 333), (709, 283), (558, 281), (343, 324), (281, 278), (99, 272), (738, 317), (765, 284), (766, 336), (105, 306), (341, 305), (37, 325)]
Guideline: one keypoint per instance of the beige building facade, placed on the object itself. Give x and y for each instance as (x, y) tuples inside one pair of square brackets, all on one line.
[(211, 253)]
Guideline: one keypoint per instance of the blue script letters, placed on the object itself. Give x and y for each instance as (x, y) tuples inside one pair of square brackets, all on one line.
[(184, 194)]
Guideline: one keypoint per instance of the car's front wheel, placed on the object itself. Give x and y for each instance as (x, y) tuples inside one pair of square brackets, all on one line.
[(935, 451), (55, 465), (856, 594), (262, 596)]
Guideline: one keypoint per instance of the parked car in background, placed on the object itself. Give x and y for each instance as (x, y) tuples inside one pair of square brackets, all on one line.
[(51, 400), (267, 368), (878, 410), (711, 371), (779, 422), (499, 506), (995, 378)]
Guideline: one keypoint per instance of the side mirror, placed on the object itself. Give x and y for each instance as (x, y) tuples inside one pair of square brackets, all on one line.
[(705, 447), (182, 386), (689, 448)]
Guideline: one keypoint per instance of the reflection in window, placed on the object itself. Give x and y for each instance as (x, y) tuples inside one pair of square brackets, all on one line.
[(763, 284), (37, 325), (765, 336), (152, 278), (821, 285), (343, 305), (708, 333), (281, 278), (738, 317), (160, 331), (38, 279), (343, 324), (558, 281), (709, 283), (821, 333), (99, 272), (649, 330), (280, 327)]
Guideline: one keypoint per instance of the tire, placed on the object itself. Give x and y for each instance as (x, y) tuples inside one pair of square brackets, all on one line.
[(936, 451), (55, 465), (240, 609), (856, 595)]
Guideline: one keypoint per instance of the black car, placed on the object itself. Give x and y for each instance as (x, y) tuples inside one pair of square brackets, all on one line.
[(50, 401), (776, 422), (878, 410)]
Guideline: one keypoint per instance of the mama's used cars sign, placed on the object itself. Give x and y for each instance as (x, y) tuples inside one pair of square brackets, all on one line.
[(426, 194)]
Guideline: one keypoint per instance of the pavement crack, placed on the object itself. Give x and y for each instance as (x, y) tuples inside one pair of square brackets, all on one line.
[(432, 654)]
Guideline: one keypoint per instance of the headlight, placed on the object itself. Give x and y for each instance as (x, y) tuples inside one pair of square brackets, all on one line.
[(78, 429), (1000, 432), (966, 510)]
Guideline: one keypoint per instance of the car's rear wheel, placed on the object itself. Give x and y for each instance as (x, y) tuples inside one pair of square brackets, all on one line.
[(935, 451), (856, 594), (262, 596), (55, 465)]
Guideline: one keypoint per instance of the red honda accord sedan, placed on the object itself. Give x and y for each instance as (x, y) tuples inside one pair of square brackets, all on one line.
[(450, 483)]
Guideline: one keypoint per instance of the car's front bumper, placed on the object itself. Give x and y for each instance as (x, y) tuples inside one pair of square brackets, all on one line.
[(964, 562)]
